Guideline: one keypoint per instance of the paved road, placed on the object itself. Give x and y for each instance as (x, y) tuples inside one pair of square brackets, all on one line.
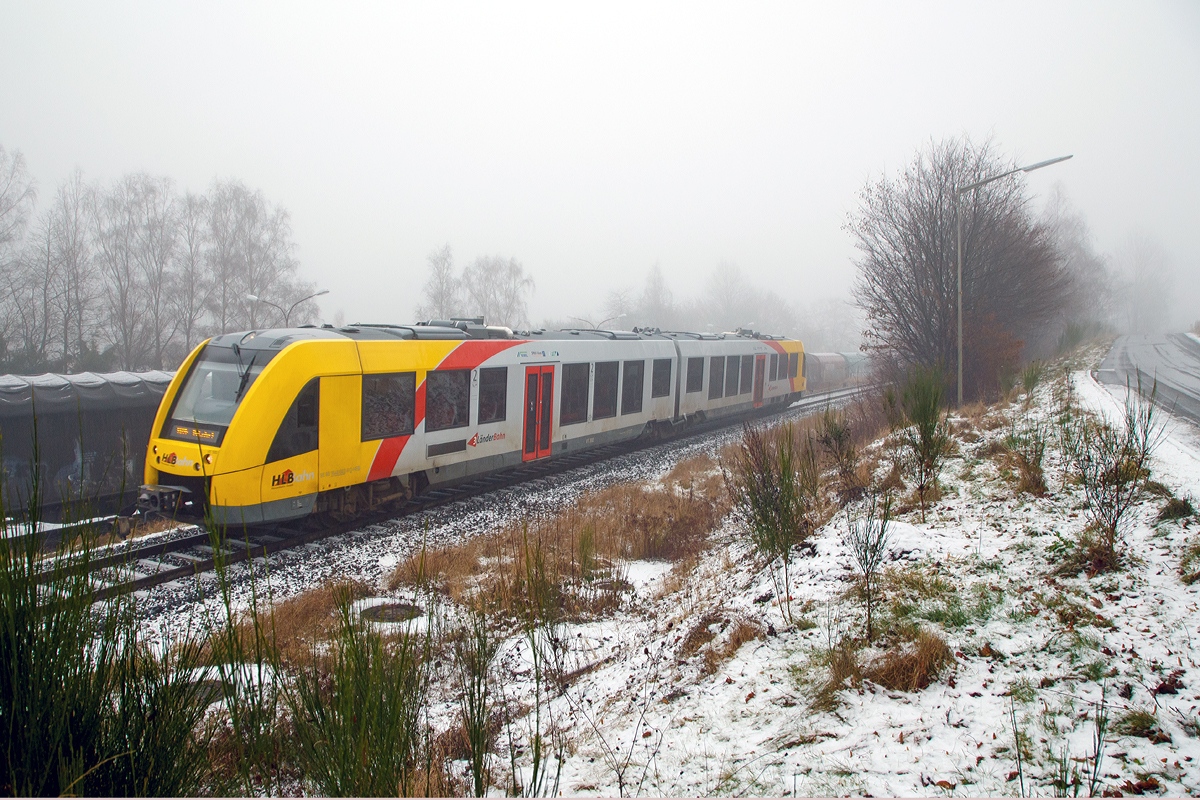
[(1173, 360)]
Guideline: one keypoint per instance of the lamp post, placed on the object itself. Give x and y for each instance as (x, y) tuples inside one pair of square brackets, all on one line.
[(286, 314), (958, 219)]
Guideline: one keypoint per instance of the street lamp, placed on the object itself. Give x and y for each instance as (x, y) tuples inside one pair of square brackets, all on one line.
[(286, 314), (958, 219)]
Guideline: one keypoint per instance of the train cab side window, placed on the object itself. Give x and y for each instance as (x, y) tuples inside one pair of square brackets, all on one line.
[(573, 406), (632, 387), (660, 378), (747, 374), (493, 394), (716, 378), (793, 364), (297, 433), (774, 366), (388, 403), (447, 399), (732, 365), (604, 394), (695, 375)]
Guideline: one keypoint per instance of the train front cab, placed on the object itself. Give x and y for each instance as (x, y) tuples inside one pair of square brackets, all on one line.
[(257, 452)]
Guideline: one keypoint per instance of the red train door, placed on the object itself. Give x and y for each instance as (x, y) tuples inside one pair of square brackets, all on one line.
[(760, 372), (539, 405)]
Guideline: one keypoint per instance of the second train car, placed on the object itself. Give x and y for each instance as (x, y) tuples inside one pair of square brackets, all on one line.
[(275, 425)]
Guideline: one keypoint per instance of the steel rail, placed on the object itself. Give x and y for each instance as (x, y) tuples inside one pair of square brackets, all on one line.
[(140, 567)]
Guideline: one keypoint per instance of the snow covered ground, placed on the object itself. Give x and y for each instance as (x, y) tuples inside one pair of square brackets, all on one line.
[(696, 686)]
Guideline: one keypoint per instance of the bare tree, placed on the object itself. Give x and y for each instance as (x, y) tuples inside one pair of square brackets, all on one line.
[(496, 290), (1145, 279), (250, 251), (191, 282), (1092, 299), (656, 306), (443, 290), (116, 226), (1014, 283), (33, 285), (157, 237), (224, 253), (17, 196), (71, 233)]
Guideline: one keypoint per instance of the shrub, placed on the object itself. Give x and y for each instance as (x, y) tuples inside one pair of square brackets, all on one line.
[(835, 436), (86, 707), (1111, 461), (775, 485), (358, 728), (1024, 451), (928, 434), (1032, 375), (867, 538)]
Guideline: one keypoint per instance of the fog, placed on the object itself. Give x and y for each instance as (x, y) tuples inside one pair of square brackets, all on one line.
[(593, 143)]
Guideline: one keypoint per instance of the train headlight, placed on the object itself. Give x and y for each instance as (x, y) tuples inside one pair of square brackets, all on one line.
[(154, 449), (196, 466), (208, 458)]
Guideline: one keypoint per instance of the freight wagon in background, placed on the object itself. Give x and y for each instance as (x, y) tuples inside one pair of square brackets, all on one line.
[(826, 372), (92, 433)]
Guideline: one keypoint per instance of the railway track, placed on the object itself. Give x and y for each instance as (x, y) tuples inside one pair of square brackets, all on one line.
[(194, 551)]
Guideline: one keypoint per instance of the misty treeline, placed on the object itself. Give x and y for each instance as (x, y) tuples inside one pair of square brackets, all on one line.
[(134, 273), (727, 299), (491, 287), (1031, 282), (497, 289)]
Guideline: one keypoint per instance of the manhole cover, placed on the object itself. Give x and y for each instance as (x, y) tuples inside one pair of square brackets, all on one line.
[(391, 612)]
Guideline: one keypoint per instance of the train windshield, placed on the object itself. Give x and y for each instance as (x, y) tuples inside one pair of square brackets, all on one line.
[(212, 392)]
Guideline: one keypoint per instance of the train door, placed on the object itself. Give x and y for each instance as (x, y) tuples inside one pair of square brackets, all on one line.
[(760, 373), (539, 405)]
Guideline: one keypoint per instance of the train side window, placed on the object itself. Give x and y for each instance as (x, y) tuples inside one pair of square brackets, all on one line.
[(573, 406), (297, 433), (732, 365), (447, 399), (493, 394), (388, 402), (793, 364), (632, 386), (747, 374), (604, 395), (660, 378), (774, 366), (716, 378), (695, 375)]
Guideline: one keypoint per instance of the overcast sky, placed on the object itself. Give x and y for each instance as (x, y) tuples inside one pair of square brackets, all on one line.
[(591, 142)]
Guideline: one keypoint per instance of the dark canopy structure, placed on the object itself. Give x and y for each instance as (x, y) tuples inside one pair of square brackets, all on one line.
[(91, 434)]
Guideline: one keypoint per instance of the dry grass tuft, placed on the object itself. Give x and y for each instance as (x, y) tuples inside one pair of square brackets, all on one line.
[(701, 633), (911, 666), (301, 623), (579, 552)]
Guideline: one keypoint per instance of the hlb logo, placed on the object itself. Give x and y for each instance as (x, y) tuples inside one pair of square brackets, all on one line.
[(288, 477)]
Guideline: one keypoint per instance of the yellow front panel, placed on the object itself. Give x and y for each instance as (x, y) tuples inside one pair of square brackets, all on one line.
[(291, 477), (404, 356), (151, 470), (270, 396), (341, 461), (238, 488)]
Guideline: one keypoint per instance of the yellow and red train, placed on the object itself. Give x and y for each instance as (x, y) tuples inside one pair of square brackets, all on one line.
[(268, 426)]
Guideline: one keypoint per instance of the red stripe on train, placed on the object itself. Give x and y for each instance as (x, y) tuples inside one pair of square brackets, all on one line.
[(467, 355)]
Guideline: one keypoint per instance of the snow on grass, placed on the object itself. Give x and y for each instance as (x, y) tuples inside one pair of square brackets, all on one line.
[(697, 686)]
